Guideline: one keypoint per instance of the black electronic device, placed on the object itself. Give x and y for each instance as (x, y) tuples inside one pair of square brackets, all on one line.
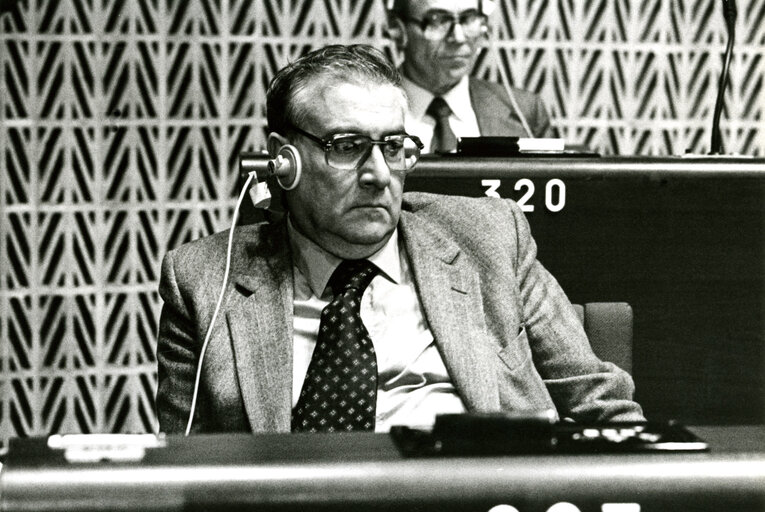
[(537, 433)]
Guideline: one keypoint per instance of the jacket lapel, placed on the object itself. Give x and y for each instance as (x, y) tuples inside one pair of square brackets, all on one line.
[(259, 317), (450, 295), (260, 323)]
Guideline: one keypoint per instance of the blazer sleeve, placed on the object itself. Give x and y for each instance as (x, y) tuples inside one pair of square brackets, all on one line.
[(176, 356), (540, 120), (583, 387)]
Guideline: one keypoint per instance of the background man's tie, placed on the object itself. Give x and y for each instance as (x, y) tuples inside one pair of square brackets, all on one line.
[(444, 139), (340, 388)]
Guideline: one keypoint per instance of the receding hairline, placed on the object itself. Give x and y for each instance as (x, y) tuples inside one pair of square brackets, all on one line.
[(353, 63), (300, 101)]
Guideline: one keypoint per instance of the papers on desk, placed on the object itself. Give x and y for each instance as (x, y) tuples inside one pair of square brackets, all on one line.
[(526, 144)]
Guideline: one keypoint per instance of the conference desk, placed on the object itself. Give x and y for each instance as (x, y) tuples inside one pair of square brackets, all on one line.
[(368, 472)]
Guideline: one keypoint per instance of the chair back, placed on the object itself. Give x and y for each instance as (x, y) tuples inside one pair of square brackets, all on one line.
[(609, 327)]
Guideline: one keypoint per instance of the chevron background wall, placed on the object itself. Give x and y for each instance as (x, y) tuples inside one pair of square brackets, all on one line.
[(121, 122)]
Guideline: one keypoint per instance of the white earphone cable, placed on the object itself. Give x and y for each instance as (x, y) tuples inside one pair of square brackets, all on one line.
[(218, 305)]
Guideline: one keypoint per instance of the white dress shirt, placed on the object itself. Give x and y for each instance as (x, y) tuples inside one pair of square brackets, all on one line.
[(462, 121), (413, 383)]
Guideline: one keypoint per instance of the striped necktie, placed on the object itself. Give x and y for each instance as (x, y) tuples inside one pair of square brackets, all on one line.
[(444, 140)]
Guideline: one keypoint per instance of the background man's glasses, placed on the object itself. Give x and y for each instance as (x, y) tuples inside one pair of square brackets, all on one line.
[(349, 151), (436, 25)]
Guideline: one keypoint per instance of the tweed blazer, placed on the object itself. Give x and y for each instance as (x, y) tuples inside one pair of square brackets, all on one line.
[(497, 117), (508, 335)]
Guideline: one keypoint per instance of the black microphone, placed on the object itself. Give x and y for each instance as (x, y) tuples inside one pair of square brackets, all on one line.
[(729, 12)]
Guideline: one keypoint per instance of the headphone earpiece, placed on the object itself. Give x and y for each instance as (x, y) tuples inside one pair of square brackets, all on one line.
[(287, 167), (394, 33)]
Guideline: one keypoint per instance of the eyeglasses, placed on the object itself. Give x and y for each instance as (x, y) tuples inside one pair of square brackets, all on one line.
[(436, 24), (349, 151)]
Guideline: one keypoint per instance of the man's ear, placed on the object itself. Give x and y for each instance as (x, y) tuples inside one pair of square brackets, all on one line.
[(274, 143), (396, 31)]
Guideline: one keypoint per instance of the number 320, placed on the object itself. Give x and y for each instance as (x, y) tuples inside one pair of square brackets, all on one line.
[(555, 193)]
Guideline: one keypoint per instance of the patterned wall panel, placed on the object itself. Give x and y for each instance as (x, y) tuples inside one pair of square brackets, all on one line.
[(121, 122)]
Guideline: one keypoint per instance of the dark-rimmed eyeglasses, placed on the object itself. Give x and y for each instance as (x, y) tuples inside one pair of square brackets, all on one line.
[(437, 24), (349, 151)]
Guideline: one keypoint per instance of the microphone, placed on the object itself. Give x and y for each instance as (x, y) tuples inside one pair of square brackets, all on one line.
[(729, 13), (505, 81)]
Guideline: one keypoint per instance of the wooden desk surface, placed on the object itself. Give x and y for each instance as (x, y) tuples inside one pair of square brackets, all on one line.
[(367, 472)]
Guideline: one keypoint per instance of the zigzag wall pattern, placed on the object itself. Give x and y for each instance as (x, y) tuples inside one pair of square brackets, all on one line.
[(121, 122)]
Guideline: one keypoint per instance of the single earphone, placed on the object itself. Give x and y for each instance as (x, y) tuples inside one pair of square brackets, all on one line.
[(286, 166), (393, 32)]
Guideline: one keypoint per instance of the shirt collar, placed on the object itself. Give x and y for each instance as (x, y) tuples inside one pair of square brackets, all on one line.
[(317, 265), (458, 98)]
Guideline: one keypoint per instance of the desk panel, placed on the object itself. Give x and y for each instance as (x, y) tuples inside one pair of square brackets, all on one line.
[(366, 472), (682, 240)]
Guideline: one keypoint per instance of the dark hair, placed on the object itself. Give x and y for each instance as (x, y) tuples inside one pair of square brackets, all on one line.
[(359, 63)]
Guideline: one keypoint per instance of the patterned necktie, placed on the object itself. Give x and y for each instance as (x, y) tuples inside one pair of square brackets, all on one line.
[(444, 140), (340, 388)]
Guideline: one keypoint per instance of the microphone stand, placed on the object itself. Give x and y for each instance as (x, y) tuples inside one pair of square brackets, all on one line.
[(729, 11), (505, 81)]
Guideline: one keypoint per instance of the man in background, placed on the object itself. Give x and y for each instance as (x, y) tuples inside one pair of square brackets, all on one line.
[(440, 41)]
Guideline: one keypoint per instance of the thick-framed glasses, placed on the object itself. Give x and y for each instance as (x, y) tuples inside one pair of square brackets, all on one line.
[(349, 151), (437, 24)]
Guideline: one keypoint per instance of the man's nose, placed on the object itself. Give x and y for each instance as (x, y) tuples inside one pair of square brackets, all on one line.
[(375, 171), (457, 33)]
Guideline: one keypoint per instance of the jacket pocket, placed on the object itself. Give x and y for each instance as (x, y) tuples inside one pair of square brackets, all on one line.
[(517, 353), (520, 385)]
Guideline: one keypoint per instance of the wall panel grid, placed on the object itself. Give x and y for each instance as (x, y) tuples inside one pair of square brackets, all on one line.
[(121, 122)]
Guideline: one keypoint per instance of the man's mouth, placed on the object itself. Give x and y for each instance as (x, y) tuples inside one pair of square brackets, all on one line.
[(455, 59)]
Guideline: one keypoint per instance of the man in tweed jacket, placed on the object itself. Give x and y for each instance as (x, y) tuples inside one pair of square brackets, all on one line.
[(462, 315)]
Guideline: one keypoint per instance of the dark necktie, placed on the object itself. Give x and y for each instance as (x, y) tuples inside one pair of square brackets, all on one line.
[(340, 388), (444, 140)]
